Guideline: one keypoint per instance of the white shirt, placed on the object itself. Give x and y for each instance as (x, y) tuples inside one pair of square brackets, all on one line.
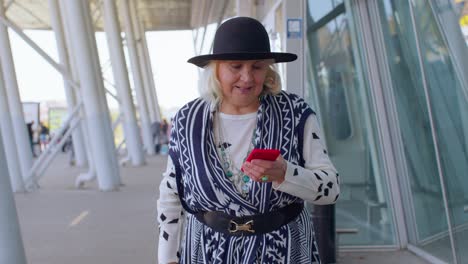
[(238, 131)]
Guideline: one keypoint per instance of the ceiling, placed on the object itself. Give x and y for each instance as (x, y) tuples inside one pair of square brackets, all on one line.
[(154, 14)]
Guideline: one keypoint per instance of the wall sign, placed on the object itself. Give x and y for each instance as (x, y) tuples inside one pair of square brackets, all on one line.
[(294, 28)]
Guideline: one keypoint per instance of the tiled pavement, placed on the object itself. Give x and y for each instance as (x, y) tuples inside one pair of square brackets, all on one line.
[(63, 225)]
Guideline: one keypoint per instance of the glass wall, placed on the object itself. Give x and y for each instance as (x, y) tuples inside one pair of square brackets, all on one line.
[(432, 113), (335, 91), (414, 122), (449, 106)]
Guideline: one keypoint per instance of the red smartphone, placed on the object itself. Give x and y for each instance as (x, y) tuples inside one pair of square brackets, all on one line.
[(264, 154)]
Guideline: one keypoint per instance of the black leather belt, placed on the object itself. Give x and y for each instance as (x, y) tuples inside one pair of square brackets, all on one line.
[(251, 224)]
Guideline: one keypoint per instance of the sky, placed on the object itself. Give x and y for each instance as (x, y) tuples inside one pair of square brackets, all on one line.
[(175, 79)]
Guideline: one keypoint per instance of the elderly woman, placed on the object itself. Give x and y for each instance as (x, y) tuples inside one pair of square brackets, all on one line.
[(216, 207)]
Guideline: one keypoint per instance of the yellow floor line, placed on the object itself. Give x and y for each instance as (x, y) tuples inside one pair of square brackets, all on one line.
[(79, 218)]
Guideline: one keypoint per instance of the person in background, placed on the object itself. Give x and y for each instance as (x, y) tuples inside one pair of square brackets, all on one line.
[(155, 132), (68, 147), (29, 127), (43, 136), (71, 149), (169, 128), (215, 207), (163, 137), (164, 128)]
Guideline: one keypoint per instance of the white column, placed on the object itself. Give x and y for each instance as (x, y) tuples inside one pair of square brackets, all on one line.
[(6, 129), (110, 144), (294, 43), (11, 243), (137, 79), (146, 82), (98, 121), (21, 137), (74, 73), (149, 68), (119, 69), (245, 7), (145, 73), (77, 136)]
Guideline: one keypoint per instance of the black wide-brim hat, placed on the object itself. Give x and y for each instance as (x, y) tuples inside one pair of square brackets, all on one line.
[(242, 38)]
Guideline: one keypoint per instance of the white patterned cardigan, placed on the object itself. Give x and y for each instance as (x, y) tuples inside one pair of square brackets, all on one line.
[(192, 149)]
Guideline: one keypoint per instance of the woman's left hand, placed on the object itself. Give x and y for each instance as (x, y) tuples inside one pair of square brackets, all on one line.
[(265, 170)]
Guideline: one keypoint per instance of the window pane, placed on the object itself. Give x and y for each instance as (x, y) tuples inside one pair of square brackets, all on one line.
[(449, 109), (449, 105), (335, 92), (413, 119)]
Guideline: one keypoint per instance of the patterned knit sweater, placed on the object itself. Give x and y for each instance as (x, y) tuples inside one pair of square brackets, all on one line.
[(283, 122)]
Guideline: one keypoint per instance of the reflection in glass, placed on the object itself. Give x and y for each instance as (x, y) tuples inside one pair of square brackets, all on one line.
[(449, 106), (449, 113), (319, 9), (414, 119), (338, 96)]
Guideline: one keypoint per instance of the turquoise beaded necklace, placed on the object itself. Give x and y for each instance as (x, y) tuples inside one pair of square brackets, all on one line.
[(234, 174)]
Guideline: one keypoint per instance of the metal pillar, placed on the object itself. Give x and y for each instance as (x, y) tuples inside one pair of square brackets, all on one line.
[(6, 129), (77, 136), (142, 62), (119, 69), (146, 83), (154, 95), (11, 243), (21, 137), (98, 121), (149, 69), (110, 144), (74, 74), (137, 73), (146, 72), (244, 8)]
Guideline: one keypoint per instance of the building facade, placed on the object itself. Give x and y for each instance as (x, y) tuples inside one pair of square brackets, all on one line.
[(388, 79), (389, 82)]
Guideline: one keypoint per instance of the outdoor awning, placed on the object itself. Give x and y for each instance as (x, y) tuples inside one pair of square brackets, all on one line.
[(155, 14)]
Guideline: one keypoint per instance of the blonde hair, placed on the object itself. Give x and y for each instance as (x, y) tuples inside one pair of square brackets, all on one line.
[(210, 87)]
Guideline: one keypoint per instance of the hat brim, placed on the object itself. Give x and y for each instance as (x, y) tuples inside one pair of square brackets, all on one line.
[(203, 60)]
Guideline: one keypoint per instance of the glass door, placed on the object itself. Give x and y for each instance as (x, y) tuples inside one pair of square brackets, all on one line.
[(364, 215), (432, 112)]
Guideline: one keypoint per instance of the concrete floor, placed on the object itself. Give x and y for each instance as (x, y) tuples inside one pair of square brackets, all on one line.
[(387, 257), (61, 224)]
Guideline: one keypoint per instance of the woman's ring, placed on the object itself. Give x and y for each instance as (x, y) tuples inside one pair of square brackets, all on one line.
[(264, 178)]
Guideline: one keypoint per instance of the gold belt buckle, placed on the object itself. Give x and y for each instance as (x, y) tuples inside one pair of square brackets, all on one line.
[(235, 227)]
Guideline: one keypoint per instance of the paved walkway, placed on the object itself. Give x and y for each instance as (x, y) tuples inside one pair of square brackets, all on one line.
[(63, 225)]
